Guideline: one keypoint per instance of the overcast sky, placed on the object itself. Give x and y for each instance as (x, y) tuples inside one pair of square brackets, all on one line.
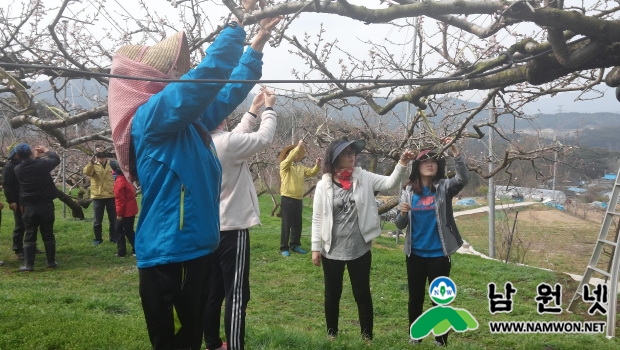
[(278, 62)]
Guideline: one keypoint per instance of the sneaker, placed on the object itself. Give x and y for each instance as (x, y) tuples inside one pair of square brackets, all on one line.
[(26, 269), (120, 256), (52, 265), (299, 250), (1, 262), (415, 341), (438, 343), (97, 242), (285, 253)]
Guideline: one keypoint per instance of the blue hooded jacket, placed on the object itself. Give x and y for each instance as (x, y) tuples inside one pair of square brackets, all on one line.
[(180, 175)]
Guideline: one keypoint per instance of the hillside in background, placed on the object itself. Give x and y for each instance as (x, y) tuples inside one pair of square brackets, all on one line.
[(588, 129)]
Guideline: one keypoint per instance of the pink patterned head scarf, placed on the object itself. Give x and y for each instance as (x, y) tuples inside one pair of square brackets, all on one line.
[(168, 59)]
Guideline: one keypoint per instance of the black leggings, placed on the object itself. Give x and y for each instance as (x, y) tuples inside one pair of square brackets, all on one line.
[(419, 271), (359, 274)]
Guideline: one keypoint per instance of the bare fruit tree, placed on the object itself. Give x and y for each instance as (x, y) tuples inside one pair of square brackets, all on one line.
[(509, 53)]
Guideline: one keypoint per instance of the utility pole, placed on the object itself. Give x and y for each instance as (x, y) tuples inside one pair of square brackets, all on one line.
[(64, 102), (491, 191), (408, 119)]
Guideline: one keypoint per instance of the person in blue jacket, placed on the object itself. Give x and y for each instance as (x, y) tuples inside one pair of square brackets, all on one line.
[(171, 153)]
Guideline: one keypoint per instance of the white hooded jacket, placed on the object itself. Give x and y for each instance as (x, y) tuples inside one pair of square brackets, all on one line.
[(365, 184)]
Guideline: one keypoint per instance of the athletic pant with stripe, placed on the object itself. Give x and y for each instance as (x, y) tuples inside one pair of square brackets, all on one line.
[(229, 278)]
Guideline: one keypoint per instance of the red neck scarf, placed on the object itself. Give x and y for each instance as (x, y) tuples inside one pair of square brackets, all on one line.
[(344, 177)]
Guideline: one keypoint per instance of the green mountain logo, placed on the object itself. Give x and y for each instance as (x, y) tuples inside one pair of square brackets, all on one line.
[(441, 318)]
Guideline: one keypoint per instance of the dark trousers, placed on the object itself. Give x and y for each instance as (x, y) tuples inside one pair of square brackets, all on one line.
[(229, 278), (420, 271), (18, 231), (359, 274), (174, 295), (99, 206), (290, 234), (124, 228), (37, 217)]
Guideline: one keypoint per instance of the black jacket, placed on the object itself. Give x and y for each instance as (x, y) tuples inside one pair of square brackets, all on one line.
[(10, 185), (35, 180)]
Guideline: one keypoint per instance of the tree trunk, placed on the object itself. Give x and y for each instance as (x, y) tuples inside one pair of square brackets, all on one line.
[(76, 209), (387, 204)]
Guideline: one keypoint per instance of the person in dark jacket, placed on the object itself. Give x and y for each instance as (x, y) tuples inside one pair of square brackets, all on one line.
[(37, 201), (10, 186), (431, 235)]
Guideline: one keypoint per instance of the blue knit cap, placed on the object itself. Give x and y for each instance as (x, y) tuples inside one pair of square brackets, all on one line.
[(23, 150)]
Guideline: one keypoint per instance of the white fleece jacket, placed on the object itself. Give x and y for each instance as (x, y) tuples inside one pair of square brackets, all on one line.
[(365, 184), (238, 202)]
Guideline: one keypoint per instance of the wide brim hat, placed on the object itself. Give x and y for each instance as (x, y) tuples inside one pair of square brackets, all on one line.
[(170, 56), (285, 150), (426, 154), (168, 59), (356, 145)]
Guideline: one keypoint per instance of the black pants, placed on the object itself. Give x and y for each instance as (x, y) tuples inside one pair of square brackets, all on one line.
[(290, 234), (18, 231), (124, 228), (37, 217), (99, 206), (420, 271), (175, 294), (359, 274), (229, 278)]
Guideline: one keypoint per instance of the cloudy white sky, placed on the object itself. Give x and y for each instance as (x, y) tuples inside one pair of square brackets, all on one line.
[(279, 63)]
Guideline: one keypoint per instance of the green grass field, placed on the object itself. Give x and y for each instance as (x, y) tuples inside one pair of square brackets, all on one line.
[(91, 300)]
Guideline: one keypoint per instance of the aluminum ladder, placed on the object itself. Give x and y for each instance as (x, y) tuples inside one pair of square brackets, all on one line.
[(610, 271)]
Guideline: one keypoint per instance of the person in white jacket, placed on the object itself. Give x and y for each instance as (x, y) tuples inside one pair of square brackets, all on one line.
[(230, 264), (345, 220)]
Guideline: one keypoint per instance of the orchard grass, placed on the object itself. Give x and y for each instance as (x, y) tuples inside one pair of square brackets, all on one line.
[(91, 300)]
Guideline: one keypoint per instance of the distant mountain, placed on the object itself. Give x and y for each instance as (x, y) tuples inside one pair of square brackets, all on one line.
[(590, 129), (81, 94)]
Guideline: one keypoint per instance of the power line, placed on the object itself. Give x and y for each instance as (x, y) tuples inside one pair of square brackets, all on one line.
[(417, 81)]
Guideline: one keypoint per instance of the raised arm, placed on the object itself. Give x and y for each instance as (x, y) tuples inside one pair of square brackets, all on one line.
[(249, 120), (250, 67), (180, 104), (384, 183), (247, 144)]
